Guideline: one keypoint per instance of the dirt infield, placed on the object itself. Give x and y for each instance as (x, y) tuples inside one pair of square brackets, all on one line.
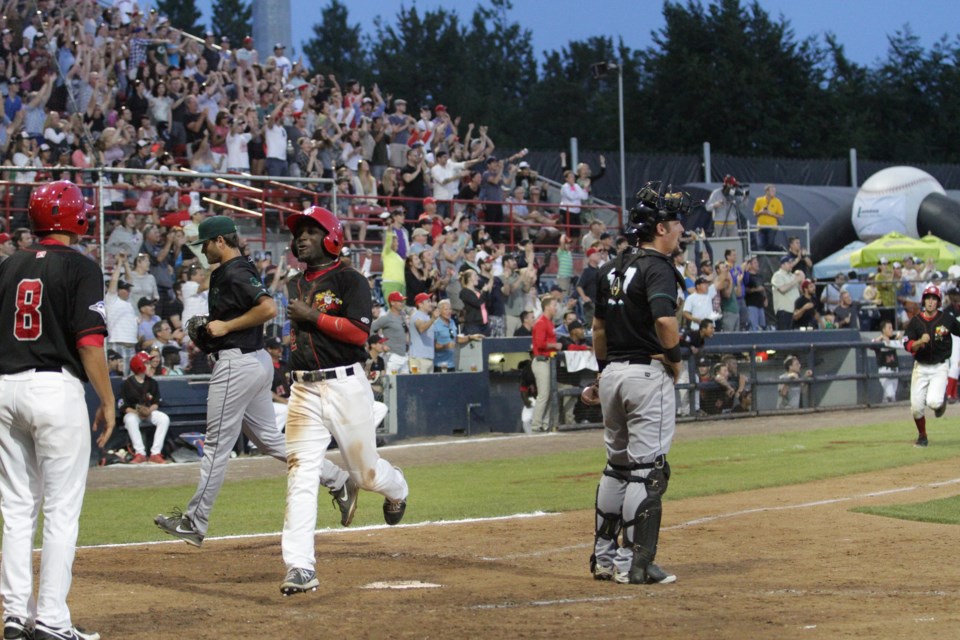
[(790, 562)]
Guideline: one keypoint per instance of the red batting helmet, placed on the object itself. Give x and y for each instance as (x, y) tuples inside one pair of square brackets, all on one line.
[(932, 290), (327, 221), (138, 363), (59, 206)]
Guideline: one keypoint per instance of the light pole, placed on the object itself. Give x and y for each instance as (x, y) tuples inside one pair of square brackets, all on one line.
[(599, 70)]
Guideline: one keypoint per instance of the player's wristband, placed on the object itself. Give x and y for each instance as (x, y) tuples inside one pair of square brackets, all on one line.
[(673, 353)]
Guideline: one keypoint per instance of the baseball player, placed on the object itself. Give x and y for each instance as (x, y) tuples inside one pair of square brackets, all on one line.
[(51, 305), (239, 397), (637, 343), (927, 337), (329, 311), (140, 401)]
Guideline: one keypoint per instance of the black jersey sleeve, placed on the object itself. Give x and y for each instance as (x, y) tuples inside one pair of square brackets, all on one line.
[(88, 315), (661, 288), (129, 395), (357, 303), (247, 285), (913, 331), (154, 388), (603, 293), (952, 324)]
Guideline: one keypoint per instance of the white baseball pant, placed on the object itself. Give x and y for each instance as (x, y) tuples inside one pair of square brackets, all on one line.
[(131, 422), (928, 385), (44, 456), (344, 408)]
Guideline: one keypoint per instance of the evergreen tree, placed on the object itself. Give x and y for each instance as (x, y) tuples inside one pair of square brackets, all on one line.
[(336, 47), (183, 15), (233, 19)]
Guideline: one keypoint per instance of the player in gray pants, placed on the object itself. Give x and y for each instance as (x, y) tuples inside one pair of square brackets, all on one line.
[(239, 397)]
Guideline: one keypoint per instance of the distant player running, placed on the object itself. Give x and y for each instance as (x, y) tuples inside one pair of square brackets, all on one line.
[(927, 337)]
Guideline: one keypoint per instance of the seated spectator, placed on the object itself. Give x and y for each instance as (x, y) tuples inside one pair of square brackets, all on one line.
[(140, 402)]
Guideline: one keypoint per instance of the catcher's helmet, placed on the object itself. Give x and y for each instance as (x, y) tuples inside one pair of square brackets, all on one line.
[(652, 208), (59, 206), (932, 290), (138, 363), (327, 221)]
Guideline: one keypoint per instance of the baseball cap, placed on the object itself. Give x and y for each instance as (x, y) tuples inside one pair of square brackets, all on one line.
[(145, 302), (395, 296), (419, 231), (399, 101), (883, 261), (421, 297), (427, 201), (592, 250), (449, 229), (440, 152), (785, 259), (23, 51), (113, 355), (375, 338), (123, 284), (247, 39), (805, 283), (425, 217), (524, 164), (176, 219), (576, 324), (273, 343), (143, 143), (169, 350), (482, 256), (367, 100), (555, 287), (209, 34), (212, 227), (4, 237), (897, 265), (279, 46), (700, 280)]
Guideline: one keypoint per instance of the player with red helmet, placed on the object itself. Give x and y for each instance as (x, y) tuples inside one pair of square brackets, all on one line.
[(927, 337), (51, 305), (330, 313)]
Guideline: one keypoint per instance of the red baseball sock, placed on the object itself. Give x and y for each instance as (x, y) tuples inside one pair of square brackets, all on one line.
[(952, 388), (921, 426)]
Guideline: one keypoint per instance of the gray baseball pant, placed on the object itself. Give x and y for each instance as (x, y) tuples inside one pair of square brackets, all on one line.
[(240, 400)]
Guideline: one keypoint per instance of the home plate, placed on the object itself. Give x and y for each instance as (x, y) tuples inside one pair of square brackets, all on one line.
[(401, 584)]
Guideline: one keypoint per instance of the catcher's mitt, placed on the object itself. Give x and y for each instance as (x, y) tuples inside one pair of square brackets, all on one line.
[(197, 330), (590, 395)]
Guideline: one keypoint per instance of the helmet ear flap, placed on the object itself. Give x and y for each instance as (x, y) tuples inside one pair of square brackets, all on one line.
[(333, 243)]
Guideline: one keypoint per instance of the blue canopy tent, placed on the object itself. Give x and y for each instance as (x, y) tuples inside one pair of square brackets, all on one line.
[(839, 262)]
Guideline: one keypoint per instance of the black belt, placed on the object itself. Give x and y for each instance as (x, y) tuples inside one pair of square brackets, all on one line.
[(50, 369), (542, 358), (323, 374), (636, 360), (216, 354)]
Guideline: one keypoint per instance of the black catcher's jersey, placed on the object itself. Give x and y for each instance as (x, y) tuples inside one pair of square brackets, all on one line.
[(628, 285), (51, 296), (339, 291), (235, 287)]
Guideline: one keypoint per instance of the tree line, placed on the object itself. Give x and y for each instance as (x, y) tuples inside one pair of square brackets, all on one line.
[(724, 72)]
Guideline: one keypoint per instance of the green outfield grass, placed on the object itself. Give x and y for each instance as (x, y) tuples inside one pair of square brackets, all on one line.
[(943, 511), (558, 482)]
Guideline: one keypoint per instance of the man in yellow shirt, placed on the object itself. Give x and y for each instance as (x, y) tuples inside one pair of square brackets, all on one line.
[(769, 210)]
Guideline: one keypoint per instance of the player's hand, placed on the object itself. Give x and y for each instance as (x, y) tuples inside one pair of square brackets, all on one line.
[(217, 328), (299, 311), (143, 411), (924, 339), (103, 421)]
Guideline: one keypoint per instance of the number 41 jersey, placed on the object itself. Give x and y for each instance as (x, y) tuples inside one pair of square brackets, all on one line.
[(51, 296)]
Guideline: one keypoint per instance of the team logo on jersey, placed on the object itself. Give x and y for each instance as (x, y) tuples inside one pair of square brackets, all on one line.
[(941, 332), (326, 301), (100, 308)]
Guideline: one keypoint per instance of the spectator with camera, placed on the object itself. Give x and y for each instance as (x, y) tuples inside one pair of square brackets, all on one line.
[(724, 205)]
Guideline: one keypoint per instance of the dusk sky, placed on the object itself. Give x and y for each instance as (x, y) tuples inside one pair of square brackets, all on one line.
[(862, 26)]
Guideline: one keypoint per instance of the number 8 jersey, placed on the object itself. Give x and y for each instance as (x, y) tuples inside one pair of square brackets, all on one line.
[(51, 298)]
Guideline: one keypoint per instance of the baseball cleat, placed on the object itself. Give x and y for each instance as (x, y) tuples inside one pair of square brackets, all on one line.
[(652, 575), (179, 526), (393, 511), (157, 458), (603, 572), (43, 632), (345, 499), (921, 442), (939, 411), (16, 629), (299, 581), (138, 459)]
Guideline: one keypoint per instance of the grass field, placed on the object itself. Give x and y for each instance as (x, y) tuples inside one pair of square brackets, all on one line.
[(553, 483)]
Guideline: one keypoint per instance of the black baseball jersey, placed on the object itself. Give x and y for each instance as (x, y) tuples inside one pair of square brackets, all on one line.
[(133, 393), (630, 289), (235, 287), (690, 340), (940, 326), (341, 292), (51, 296)]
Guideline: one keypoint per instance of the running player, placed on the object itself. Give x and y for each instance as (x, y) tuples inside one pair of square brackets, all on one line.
[(330, 312), (239, 396), (927, 337), (51, 303)]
